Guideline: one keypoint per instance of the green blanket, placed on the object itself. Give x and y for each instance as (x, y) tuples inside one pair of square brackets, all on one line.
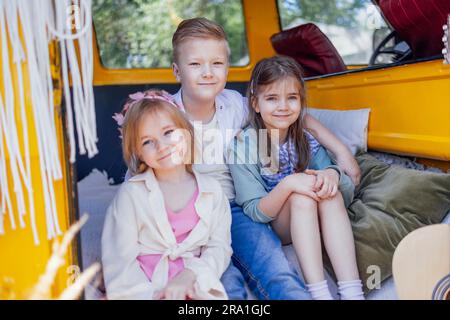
[(389, 203)]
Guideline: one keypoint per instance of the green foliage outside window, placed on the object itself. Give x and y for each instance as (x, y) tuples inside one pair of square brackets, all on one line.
[(138, 33)]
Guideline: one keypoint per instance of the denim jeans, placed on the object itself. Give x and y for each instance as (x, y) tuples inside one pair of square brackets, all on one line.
[(258, 254), (234, 283)]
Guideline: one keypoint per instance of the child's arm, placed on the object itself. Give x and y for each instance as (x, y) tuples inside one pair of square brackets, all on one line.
[(124, 279), (344, 157), (300, 183), (327, 182), (256, 202), (242, 161), (272, 203), (248, 190)]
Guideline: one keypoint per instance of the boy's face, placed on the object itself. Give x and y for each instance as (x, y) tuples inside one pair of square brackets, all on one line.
[(202, 67)]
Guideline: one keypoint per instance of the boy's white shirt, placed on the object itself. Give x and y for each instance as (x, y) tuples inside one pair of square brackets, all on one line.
[(211, 161), (231, 116), (136, 224), (231, 112)]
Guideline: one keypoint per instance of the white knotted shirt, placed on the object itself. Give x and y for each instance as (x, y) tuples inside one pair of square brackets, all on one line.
[(137, 224)]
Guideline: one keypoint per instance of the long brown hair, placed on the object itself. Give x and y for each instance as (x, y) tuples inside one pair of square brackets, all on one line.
[(266, 72)]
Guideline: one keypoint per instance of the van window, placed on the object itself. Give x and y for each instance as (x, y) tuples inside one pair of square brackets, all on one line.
[(138, 33), (353, 26)]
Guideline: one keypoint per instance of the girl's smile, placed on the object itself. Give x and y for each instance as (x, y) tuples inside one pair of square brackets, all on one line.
[(163, 144), (166, 156), (279, 104)]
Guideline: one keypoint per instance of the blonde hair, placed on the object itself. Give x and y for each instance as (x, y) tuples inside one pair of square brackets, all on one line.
[(197, 28), (131, 124)]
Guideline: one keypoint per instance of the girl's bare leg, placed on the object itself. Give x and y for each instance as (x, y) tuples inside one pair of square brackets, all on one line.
[(337, 235), (298, 222)]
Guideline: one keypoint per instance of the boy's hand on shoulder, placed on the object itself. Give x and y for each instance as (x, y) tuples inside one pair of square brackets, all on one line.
[(181, 287), (349, 165), (327, 182)]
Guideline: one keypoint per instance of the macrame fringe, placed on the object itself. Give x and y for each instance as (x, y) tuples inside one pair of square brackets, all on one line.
[(32, 46)]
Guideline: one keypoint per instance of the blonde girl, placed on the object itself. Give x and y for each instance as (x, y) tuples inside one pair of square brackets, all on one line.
[(167, 231)]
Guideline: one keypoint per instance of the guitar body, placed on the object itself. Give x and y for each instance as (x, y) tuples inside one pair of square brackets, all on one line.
[(421, 264)]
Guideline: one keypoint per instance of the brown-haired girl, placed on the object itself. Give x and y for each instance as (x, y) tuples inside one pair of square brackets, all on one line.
[(300, 192)]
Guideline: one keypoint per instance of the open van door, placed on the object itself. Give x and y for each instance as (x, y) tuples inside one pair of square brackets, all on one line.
[(38, 117)]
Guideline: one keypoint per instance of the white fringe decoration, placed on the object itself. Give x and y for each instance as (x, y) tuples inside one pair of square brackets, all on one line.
[(40, 22)]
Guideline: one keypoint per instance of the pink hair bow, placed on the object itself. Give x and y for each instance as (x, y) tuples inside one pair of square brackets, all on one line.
[(139, 96)]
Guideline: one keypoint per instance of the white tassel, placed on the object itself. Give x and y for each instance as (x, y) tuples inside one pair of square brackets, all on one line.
[(41, 21), (6, 200), (34, 33), (7, 116), (83, 97), (18, 58)]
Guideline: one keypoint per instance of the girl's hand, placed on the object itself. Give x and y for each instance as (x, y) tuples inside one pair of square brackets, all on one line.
[(327, 182), (181, 287), (302, 183), (349, 165)]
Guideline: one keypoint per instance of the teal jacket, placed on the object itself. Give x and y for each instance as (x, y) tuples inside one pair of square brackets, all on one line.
[(245, 168)]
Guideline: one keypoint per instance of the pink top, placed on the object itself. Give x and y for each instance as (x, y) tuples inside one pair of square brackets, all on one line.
[(182, 224)]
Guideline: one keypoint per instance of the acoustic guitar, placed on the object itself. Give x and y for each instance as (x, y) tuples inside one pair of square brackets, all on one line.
[(421, 264)]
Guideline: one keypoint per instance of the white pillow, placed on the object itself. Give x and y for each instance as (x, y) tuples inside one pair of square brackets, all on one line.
[(350, 126)]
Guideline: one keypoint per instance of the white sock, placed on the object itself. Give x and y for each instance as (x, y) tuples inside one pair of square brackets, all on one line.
[(319, 290), (350, 290)]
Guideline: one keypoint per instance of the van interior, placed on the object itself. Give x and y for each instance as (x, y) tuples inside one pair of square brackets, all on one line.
[(382, 55)]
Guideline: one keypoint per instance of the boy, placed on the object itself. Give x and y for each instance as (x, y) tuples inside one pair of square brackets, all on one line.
[(200, 64)]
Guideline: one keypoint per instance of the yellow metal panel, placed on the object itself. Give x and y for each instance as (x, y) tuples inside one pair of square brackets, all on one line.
[(262, 21), (21, 261), (410, 106), (356, 66)]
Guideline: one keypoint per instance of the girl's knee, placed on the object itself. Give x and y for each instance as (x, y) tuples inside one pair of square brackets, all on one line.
[(300, 201), (334, 205), (336, 199)]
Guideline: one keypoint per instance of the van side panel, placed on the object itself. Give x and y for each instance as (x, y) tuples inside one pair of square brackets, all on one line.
[(410, 106)]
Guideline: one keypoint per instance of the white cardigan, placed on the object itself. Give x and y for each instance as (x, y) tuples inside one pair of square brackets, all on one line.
[(136, 224)]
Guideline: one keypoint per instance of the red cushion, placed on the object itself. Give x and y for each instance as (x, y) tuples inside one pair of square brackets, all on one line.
[(418, 22), (311, 48)]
